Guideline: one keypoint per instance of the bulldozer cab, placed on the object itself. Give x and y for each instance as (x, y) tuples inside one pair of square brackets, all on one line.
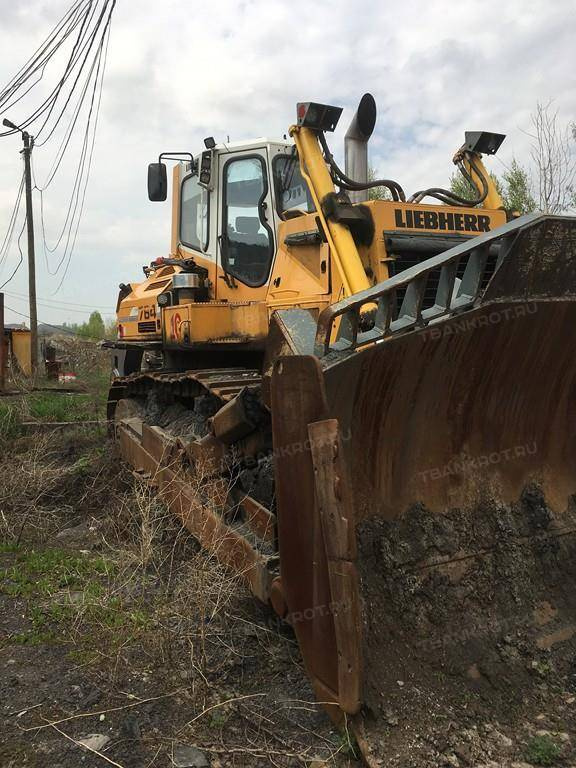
[(227, 218)]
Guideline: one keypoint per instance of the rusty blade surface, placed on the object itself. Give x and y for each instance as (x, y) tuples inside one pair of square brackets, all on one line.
[(460, 448), (485, 397), (486, 401), (461, 443), (298, 400)]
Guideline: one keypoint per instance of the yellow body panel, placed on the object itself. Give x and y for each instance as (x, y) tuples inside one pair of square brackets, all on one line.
[(416, 218), (140, 310), (215, 323), (312, 275), (301, 273), (342, 246)]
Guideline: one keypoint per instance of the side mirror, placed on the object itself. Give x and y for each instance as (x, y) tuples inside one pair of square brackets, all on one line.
[(157, 182)]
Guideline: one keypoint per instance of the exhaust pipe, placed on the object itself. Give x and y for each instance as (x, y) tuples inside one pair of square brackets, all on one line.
[(356, 145)]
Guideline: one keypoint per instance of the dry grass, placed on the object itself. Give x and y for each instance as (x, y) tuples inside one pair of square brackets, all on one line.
[(144, 604), (25, 479)]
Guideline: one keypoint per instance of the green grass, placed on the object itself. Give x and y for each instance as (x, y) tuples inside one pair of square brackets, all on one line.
[(44, 572), (9, 422), (542, 750), (50, 408), (83, 656), (347, 744), (45, 406), (8, 548), (68, 598)]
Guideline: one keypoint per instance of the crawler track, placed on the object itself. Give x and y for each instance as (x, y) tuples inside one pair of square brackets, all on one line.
[(162, 425)]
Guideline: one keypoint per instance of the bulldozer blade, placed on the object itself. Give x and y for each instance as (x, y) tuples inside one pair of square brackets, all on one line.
[(438, 532)]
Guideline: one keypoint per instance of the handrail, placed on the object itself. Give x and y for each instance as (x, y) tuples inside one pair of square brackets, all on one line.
[(451, 297)]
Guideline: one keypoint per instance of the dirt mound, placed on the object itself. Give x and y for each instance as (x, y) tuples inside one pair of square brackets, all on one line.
[(466, 610)]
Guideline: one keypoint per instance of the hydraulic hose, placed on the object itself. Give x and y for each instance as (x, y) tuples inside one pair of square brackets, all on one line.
[(344, 182), (451, 198)]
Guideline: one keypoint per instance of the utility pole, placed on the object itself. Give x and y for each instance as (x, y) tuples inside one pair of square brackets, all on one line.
[(2, 347), (27, 152)]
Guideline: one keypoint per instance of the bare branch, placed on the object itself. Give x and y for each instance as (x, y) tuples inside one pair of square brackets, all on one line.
[(554, 159)]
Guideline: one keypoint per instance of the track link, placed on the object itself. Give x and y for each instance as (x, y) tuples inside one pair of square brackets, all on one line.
[(162, 425)]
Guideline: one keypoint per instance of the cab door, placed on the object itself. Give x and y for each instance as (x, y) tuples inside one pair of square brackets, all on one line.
[(196, 213), (247, 239)]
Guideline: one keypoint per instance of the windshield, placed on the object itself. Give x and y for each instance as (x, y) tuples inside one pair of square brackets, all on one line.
[(291, 190)]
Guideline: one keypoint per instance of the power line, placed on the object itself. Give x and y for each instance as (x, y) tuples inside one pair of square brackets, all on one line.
[(38, 61), (91, 153), (7, 242), (51, 325), (85, 39), (87, 25), (17, 267), (74, 198), (82, 312), (65, 303)]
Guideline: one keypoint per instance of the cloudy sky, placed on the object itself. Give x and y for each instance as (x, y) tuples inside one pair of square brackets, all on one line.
[(179, 71)]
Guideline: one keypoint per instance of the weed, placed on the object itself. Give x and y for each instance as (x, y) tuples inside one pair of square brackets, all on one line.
[(218, 719), (83, 656), (59, 407), (347, 744), (542, 750), (33, 638), (9, 423), (8, 548), (45, 572)]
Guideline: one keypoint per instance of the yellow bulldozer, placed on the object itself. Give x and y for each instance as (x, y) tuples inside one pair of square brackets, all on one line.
[(377, 396)]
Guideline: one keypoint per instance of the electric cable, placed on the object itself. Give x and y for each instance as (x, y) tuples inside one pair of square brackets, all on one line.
[(61, 304), (91, 152), (6, 243), (82, 46), (60, 328), (75, 97), (36, 62), (17, 267)]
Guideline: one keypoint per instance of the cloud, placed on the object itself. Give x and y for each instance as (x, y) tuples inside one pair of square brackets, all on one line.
[(179, 71)]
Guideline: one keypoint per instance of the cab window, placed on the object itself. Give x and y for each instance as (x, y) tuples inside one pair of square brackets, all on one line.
[(292, 192), (194, 214), (247, 242)]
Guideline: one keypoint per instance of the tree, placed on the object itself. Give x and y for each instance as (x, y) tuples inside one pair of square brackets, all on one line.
[(94, 328), (517, 189), (513, 186), (554, 158), (377, 193), (461, 186), (111, 329)]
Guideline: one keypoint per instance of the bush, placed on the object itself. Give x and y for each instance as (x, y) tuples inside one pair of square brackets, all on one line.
[(542, 750)]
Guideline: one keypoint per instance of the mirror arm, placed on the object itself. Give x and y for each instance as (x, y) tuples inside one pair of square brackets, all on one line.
[(177, 156)]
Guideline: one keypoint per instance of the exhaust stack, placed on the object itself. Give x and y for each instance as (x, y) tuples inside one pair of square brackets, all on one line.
[(356, 145)]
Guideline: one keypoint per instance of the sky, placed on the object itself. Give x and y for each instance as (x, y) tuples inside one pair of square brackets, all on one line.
[(178, 71)]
